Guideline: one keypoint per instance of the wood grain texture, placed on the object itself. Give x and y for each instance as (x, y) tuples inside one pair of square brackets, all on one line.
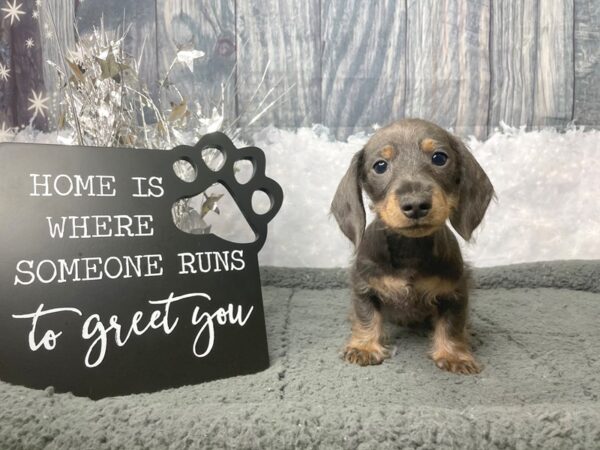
[(553, 102), (363, 64), (587, 62), (448, 63), (57, 28), (512, 62), (347, 64), (7, 87), (285, 35), (208, 26), (27, 68), (140, 41)]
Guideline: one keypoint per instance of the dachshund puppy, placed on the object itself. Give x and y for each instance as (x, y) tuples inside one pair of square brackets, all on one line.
[(408, 267)]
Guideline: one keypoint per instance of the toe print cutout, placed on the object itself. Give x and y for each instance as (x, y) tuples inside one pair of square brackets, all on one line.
[(185, 170), (243, 170), (261, 202), (213, 158)]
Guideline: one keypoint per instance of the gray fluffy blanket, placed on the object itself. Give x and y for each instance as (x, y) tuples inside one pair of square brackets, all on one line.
[(536, 330)]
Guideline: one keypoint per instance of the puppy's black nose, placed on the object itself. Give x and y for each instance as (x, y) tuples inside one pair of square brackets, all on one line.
[(415, 207)]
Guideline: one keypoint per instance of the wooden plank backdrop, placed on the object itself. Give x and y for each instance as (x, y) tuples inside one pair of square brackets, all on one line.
[(465, 64), (118, 15), (208, 26), (448, 63), (363, 64), (56, 24), (587, 62), (553, 95), (285, 35), (8, 102), (512, 62)]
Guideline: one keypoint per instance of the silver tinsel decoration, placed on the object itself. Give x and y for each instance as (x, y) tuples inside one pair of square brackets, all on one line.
[(104, 103)]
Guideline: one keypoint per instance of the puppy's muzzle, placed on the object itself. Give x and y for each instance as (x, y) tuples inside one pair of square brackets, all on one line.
[(416, 206), (414, 209)]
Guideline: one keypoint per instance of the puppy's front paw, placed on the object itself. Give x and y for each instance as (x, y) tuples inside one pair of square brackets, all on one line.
[(463, 363), (366, 356)]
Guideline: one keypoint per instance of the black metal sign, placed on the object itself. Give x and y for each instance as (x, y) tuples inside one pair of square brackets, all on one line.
[(101, 294)]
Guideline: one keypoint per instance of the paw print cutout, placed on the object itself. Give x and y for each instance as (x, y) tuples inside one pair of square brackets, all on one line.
[(242, 191)]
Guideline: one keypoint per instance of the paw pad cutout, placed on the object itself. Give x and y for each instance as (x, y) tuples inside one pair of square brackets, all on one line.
[(213, 158), (261, 203), (243, 170), (216, 161), (185, 170)]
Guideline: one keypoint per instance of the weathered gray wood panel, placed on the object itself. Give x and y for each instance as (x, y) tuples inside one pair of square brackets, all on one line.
[(57, 28), (512, 62), (363, 63), (347, 64), (208, 26), (285, 35), (7, 87), (553, 103), (118, 15), (448, 63), (587, 62)]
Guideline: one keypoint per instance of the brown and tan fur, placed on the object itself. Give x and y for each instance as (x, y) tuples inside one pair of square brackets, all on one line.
[(408, 267)]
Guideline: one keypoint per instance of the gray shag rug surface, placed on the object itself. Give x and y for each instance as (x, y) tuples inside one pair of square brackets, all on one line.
[(536, 329)]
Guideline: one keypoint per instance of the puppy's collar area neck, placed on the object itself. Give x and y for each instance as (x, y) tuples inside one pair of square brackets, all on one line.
[(403, 247)]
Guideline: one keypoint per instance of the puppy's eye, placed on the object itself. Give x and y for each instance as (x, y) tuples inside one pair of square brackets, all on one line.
[(439, 158), (380, 166)]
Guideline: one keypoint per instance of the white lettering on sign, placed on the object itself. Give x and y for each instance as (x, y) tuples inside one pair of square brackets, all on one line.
[(48, 341), (45, 185), (93, 268), (120, 331), (148, 187), (204, 262), (86, 227), (87, 269)]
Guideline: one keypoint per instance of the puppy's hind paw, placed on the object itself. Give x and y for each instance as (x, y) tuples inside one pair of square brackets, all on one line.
[(366, 356)]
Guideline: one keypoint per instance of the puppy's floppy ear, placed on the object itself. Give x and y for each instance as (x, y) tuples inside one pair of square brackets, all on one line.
[(475, 192), (347, 205)]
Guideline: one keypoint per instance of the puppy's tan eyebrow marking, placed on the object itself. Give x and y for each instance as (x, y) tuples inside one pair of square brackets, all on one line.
[(387, 152), (428, 145)]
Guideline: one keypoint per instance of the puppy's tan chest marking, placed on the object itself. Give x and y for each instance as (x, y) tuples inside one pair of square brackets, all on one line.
[(395, 288), (434, 286), (390, 286)]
